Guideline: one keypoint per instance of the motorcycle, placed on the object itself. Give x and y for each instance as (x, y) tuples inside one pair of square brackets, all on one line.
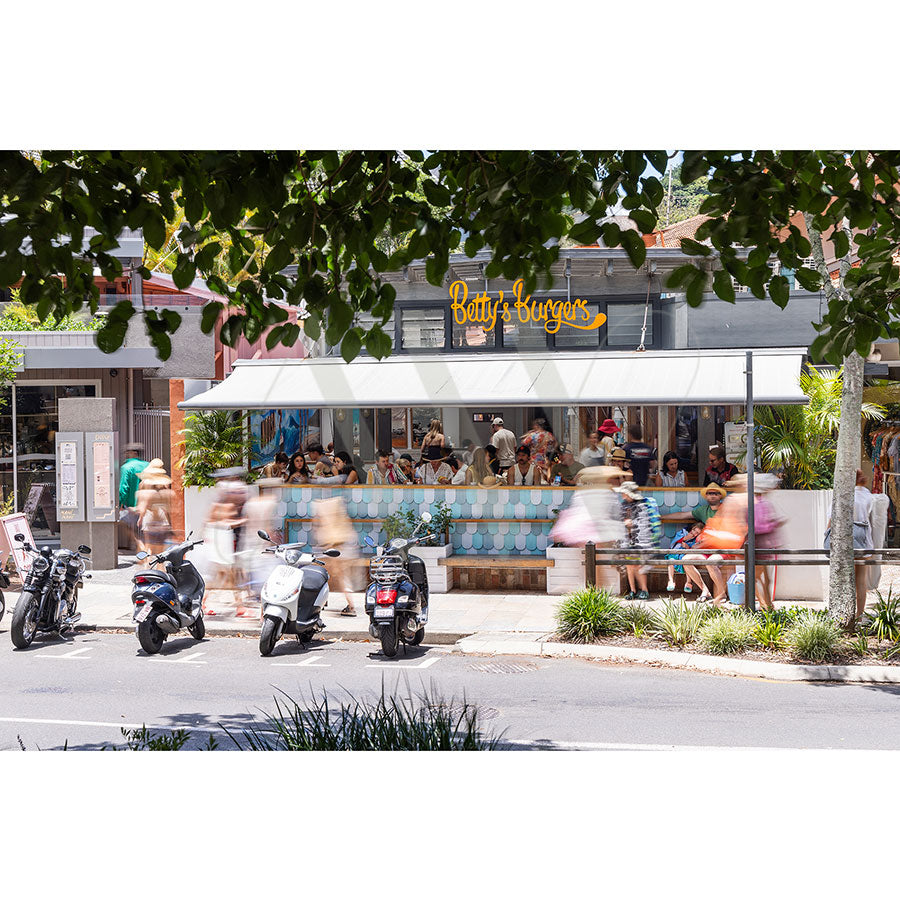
[(4, 583), (397, 596), (293, 595), (49, 595), (168, 600)]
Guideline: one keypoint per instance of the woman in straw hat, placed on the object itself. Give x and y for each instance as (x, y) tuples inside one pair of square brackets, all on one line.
[(154, 507)]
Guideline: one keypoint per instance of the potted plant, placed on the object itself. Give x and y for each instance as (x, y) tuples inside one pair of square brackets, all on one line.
[(401, 525)]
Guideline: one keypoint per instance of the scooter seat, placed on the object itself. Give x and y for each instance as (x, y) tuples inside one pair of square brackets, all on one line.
[(155, 575), (314, 577)]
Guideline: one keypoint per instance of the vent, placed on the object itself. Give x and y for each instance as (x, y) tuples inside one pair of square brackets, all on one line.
[(505, 669)]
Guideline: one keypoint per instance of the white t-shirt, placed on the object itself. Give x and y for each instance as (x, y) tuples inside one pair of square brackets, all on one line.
[(430, 476), (863, 502), (591, 457), (505, 442), (460, 477)]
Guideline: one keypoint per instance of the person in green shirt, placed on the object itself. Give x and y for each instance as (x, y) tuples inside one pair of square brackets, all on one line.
[(565, 468), (713, 495), (129, 474)]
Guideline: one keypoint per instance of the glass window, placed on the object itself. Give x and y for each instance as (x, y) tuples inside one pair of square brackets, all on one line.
[(569, 335), (399, 437), (473, 336), (529, 335), (421, 420), (686, 437), (421, 329), (623, 325)]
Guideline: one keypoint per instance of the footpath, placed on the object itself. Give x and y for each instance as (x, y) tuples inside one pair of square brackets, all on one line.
[(490, 623)]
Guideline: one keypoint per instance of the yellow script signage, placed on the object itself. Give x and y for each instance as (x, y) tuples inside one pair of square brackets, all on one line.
[(484, 310)]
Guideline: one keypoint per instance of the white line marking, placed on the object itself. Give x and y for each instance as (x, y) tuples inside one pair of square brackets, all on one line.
[(71, 655), (551, 745), (307, 662), (191, 658), (17, 719), (423, 665)]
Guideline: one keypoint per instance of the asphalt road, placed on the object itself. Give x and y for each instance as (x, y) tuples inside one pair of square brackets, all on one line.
[(83, 691)]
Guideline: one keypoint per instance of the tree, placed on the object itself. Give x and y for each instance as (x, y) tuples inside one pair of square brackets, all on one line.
[(682, 201), (213, 439)]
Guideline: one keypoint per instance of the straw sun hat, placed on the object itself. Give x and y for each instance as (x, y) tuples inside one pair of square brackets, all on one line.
[(154, 475), (713, 486), (598, 476)]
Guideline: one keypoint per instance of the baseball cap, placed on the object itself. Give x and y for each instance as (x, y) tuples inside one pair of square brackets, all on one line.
[(498, 420)]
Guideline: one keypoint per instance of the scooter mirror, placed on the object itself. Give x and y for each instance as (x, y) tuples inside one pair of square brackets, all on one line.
[(334, 552), (369, 540), (83, 549), (141, 555), (426, 517), (264, 535)]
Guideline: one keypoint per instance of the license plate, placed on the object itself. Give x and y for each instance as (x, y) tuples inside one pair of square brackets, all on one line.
[(142, 613), (384, 613)]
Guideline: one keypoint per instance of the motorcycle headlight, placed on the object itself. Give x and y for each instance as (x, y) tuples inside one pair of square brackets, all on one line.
[(39, 564), (292, 558)]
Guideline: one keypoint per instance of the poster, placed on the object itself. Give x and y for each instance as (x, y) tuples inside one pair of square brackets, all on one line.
[(102, 475), (16, 523), (68, 475), (736, 444)]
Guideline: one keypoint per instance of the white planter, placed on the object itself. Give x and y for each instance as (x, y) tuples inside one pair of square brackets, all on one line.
[(197, 502), (440, 578), (567, 573)]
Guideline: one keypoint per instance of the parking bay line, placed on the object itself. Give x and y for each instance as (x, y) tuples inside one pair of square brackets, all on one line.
[(191, 658), (307, 662), (69, 655), (423, 665)]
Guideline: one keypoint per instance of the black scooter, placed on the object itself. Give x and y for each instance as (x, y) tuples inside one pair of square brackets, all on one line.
[(167, 600)]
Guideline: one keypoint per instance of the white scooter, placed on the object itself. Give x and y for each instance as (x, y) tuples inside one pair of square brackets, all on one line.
[(293, 595)]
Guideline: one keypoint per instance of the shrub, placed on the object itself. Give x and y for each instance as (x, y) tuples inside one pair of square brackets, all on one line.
[(770, 630), (815, 638), (387, 724), (637, 618), (885, 621), (589, 613), (727, 634), (678, 621), (403, 522)]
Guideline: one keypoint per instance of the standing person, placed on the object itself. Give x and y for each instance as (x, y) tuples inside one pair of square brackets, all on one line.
[(540, 440), (277, 468), (642, 531), (505, 442), (332, 529), (129, 480), (639, 454), (863, 504), (259, 513), (607, 443), (719, 470), (433, 444), (593, 454), (384, 472), (297, 472), (670, 476), (154, 507), (523, 471), (564, 471)]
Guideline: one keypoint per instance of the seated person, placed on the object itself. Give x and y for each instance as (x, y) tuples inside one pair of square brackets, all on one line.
[(563, 472), (319, 460), (384, 472), (523, 471), (459, 470), (434, 472)]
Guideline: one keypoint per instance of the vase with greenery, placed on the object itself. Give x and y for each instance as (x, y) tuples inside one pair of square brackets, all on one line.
[(402, 523), (800, 441), (213, 439)]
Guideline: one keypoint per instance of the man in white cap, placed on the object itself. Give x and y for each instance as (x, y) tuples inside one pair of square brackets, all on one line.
[(505, 442)]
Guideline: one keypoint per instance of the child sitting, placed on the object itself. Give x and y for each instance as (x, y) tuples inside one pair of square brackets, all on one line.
[(686, 538)]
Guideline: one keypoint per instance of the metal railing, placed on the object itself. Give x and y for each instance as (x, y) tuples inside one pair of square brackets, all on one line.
[(151, 428)]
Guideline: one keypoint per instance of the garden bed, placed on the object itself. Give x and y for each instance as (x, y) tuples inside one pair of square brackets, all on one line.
[(592, 616)]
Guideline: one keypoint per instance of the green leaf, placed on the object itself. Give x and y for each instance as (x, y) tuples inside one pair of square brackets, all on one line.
[(696, 288), (193, 207), (659, 159), (278, 257), (644, 220), (695, 248), (154, 229), (351, 345), (841, 242), (681, 275), (184, 272), (780, 290), (693, 166), (586, 232), (723, 285), (274, 336), (808, 279), (434, 271), (437, 195), (210, 316), (634, 247), (111, 335), (312, 326)]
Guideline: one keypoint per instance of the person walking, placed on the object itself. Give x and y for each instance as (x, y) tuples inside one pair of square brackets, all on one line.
[(863, 505), (332, 529), (593, 454), (154, 507), (129, 479), (505, 442), (640, 516)]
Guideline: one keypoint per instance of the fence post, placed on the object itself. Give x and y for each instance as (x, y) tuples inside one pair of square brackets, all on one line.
[(590, 564)]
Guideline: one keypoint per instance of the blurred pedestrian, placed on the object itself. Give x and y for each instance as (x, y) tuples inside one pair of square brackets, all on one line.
[(222, 537), (129, 480), (153, 508), (332, 529), (593, 454), (259, 513), (640, 516)]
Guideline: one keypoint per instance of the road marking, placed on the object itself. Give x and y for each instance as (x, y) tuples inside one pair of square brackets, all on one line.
[(17, 719), (191, 658), (70, 655), (307, 662), (423, 665), (550, 745)]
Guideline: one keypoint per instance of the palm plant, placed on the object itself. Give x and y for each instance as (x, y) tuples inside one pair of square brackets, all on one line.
[(213, 439), (801, 441)]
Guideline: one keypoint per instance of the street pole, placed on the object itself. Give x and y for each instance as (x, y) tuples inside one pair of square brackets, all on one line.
[(750, 557)]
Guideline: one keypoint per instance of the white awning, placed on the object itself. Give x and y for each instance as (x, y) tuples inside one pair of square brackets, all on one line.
[(497, 380)]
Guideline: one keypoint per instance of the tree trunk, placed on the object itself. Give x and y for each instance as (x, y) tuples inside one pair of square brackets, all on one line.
[(841, 575), (841, 580)]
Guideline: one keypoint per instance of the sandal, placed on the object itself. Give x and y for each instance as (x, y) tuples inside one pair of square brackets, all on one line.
[(209, 612), (348, 611)]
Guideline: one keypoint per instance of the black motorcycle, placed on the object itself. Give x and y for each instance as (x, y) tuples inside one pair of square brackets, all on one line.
[(397, 597), (49, 595), (169, 599)]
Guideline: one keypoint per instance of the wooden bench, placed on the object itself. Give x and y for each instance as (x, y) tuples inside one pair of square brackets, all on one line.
[(477, 572), (485, 562)]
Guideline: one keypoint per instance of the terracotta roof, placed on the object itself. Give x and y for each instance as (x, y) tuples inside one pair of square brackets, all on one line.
[(671, 236)]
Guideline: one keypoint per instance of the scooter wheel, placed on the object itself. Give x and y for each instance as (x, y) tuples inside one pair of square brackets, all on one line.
[(150, 636), (198, 629), (268, 635), (390, 640), (418, 637)]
